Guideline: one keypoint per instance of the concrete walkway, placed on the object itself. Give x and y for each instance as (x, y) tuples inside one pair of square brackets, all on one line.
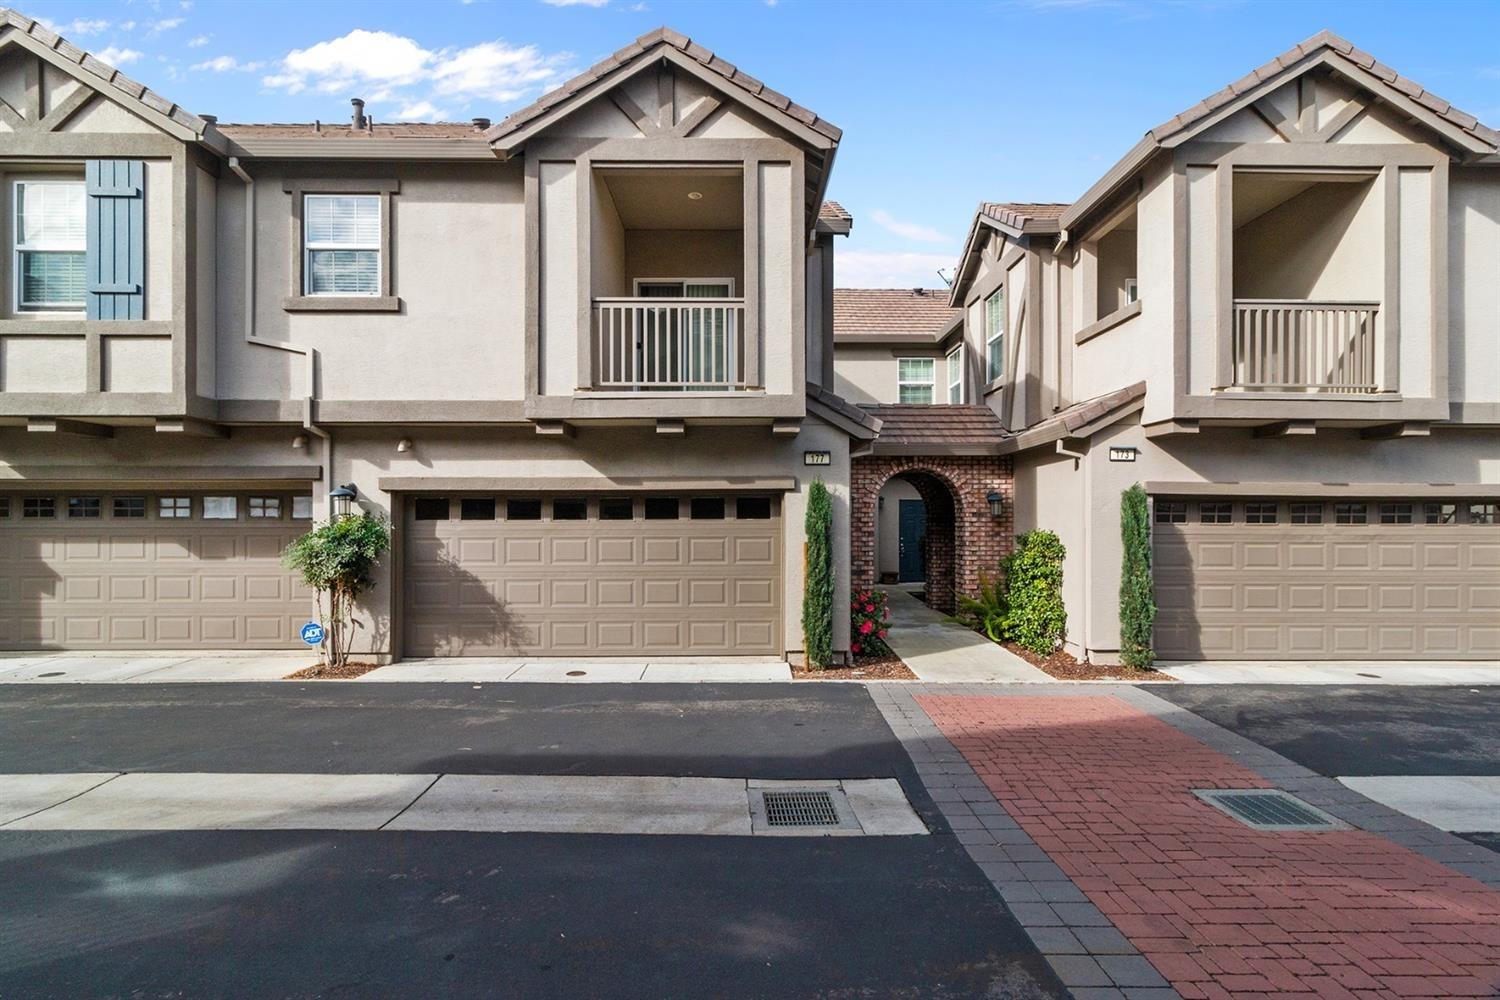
[(937, 650), (1335, 672), (166, 667)]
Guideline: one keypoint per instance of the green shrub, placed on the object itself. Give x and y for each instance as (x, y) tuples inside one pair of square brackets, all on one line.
[(817, 587), (1137, 607), (1035, 617), (984, 613), (337, 559)]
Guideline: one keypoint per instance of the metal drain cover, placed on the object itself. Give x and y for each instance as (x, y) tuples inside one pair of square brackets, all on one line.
[(801, 808), (1268, 809)]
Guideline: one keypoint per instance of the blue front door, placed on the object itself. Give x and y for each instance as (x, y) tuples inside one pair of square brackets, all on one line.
[(913, 534)]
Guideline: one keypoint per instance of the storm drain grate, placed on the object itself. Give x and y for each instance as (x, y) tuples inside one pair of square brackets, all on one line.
[(800, 808), (1268, 809)]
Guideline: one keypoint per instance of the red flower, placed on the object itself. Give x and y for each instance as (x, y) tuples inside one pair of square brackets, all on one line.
[(854, 647), (865, 628), (869, 609), (882, 633)]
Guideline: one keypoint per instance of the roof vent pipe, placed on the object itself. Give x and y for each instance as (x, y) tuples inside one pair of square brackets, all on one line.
[(359, 113), (480, 124), (211, 119)]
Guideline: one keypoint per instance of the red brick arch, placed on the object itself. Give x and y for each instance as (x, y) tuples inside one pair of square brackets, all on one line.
[(963, 539)]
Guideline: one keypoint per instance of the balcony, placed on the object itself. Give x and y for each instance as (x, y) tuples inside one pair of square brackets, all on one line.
[(1295, 345), (671, 345)]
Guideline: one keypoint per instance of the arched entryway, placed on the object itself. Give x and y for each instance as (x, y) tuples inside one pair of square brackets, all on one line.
[(962, 538)]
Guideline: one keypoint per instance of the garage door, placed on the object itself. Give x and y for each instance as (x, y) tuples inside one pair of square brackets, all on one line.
[(594, 576), (1326, 579), (103, 570)]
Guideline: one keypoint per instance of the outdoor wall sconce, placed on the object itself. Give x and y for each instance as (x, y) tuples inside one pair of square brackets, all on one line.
[(997, 505), (403, 446), (342, 498)]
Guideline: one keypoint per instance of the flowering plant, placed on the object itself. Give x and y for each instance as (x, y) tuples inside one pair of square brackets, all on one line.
[(869, 620)]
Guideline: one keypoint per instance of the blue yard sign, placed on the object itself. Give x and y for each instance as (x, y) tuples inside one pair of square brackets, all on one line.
[(312, 633)]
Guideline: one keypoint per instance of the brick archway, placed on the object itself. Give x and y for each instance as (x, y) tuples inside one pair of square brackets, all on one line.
[(963, 540)]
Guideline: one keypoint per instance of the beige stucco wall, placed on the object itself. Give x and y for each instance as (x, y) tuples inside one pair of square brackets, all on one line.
[(1325, 243), (678, 253), (1474, 285)]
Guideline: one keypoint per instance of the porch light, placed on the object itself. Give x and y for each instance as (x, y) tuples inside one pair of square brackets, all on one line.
[(342, 499), (997, 505)]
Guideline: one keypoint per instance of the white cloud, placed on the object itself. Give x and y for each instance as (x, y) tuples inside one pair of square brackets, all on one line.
[(165, 24), (226, 64), (118, 57), (908, 230), (126, 25), (197, 41), (575, 3), (383, 62), (418, 111), (79, 27), (889, 269)]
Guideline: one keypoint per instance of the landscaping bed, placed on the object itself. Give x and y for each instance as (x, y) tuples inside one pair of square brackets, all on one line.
[(882, 667), (1064, 666), (323, 672)]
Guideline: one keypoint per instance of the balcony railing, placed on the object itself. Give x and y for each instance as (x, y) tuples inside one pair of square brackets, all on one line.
[(670, 345), (1296, 345)]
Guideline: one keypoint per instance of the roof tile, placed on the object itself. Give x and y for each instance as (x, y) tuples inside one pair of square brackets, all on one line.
[(894, 312), (918, 425)]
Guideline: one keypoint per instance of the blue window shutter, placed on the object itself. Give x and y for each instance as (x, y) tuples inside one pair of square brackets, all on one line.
[(116, 232)]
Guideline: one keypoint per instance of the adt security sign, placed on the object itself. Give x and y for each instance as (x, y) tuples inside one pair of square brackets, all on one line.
[(312, 633)]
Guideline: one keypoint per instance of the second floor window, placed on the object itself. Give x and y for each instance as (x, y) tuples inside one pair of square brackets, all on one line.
[(956, 375), (50, 246), (914, 380), (994, 336), (342, 244)]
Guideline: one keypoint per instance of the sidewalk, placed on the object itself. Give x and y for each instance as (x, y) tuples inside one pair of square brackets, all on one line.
[(944, 652), (1334, 672)]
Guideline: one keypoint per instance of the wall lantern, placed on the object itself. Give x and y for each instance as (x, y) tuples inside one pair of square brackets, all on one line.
[(997, 505), (342, 499)]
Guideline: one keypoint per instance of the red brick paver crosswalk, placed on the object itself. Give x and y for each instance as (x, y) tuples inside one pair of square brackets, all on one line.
[(1219, 909)]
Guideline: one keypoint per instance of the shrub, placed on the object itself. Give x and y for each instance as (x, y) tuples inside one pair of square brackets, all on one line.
[(817, 587), (1137, 606), (1035, 617), (337, 559), (869, 621), (984, 613)]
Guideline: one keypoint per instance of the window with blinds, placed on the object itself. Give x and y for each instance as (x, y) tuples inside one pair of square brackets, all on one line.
[(994, 335), (50, 246), (342, 244), (914, 380)]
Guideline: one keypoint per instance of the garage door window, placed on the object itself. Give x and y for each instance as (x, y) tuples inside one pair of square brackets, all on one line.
[(85, 507), (1171, 512), (523, 510), (1484, 513), (753, 508), (476, 509), (707, 508), (1260, 513), (4, 506), (220, 508), (174, 507), (1215, 513), (431, 508), (1395, 513), (1349, 513), (1306, 513), (264, 507), (662, 508), (570, 509), (302, 508), (129, 507), (616, 509), (1440, 513), (38, 507)]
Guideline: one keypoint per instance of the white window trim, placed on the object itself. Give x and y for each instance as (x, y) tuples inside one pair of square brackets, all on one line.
[(930, 383), (309, 247), (955, 361), (635, 286), (1132, 291), (994, 345), (18, 248)]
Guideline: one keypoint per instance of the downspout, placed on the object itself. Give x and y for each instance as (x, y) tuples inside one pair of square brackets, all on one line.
[(309, 355)]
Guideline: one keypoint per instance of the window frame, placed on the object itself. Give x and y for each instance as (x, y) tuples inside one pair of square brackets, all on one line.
[(20, 249), (930, 384), (174, 507), (385, 300), (1132, 291), (994, 340), (955, 362), (233, 505)]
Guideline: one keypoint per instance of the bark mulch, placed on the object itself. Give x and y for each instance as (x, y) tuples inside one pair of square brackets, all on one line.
[(885, 667), (323, 672), (1064, 666)]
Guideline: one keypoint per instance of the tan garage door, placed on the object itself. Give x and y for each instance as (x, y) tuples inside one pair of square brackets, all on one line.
[(103, 570), (1335, 579), (595, 576)]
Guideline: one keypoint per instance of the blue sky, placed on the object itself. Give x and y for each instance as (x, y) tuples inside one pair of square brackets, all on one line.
[(942, 104)]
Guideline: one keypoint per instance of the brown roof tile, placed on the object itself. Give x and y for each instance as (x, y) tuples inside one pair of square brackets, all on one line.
[(918, 429), (1034, 215), (342, 130), (909, 312)]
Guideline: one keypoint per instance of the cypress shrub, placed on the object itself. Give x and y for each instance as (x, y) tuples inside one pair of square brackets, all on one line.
[(1034, 613), (817, 586), (1137, 608)]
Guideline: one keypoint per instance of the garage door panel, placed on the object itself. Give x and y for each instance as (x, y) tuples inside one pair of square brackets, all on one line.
[(580, 587), (220, 588), (83, 588), (1396, 591)]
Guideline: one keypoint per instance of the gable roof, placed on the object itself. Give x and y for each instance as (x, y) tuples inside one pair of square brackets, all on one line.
[(924, 429), (1458, 128), (1082, 419), (109, 81), (892, 315), (834, 218), (581, 88), (1016, 219)]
